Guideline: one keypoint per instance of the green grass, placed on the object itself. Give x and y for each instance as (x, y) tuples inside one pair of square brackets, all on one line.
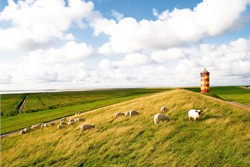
[(50, 106), (229, 93), (220, 138), (10, 103)]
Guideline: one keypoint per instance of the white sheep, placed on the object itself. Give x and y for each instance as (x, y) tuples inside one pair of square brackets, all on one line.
[(164, 109), (52, 123), (71, 122), (63, 123), (118, 114), (25, 130), (33, 127), (63, 119), (60, 126), (159, 118), (78, 119), (45, 125), (126, 114), (86, 127), (131, 113), (22, 131), (194, 114)]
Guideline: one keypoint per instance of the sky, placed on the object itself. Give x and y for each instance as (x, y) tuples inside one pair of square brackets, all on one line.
[(77, 44)]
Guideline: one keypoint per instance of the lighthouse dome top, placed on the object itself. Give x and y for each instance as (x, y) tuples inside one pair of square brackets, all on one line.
[(204, 71)]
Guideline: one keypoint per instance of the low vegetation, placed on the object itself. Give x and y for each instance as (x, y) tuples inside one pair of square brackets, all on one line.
[(219, 138), (10, 104), (43, 107)]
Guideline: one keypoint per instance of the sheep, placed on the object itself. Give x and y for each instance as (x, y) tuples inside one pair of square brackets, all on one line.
[(160, 117), (63, 119), (22, 131), (60, 126), (78, 113), (78, 119), (63, 123), (33, 127), (131, 113), (194, 114), (25, 130), (164, 109), (86, 127), (71, 122), (45, 125), (126, 114), (118, 114), (52, 123)]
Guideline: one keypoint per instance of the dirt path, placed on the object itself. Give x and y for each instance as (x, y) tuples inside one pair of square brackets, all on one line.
[(21, 107), (238, 104)]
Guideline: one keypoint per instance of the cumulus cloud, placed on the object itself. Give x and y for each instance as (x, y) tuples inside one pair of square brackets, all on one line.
[(171, 29), (33, 24), (228, 64), (71, 51), (171, 54), (130, 60), (160, 52)]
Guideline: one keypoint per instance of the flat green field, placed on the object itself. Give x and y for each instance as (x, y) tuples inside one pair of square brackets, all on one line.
[(229, 93), (43, 107)]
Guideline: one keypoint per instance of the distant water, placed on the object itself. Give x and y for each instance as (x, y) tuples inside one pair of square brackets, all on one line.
[(42, 91), (26, 91)]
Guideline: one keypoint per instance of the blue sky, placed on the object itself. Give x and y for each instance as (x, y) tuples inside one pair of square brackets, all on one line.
[(71, 44)]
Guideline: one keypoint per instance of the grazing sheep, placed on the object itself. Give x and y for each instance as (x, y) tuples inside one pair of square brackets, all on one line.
[(52, 123), (25, 130), (86, 127), (78, 119), (126, 114), (164, 109), (71, 122), (33, 127), (194, 114), (63, 119), (63, 123), (60, 126), (45, 125), (78, 113), (22, 131), (118, 114), (131, 113), (159, 118)]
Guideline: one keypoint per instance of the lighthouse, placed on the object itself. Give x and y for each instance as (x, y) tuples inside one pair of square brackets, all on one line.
[(204, 81)]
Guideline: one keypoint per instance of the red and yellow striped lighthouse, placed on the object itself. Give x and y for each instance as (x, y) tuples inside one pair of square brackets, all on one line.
[(204, 81)]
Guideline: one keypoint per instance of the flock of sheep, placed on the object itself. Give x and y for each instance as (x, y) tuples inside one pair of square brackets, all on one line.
[(62, 124), (192, 114)]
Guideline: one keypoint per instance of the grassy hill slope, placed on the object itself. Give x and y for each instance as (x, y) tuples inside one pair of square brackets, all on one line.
[(221, 137), (230, 93)]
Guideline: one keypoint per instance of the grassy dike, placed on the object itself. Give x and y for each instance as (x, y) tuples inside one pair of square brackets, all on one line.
[(220, 138), (97, 99)]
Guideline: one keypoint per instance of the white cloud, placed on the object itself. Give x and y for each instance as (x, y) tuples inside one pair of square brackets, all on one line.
[(171, 29), (117, 15), (228, 63), (171, 54), (130, 60), (72, 51), (35, 23)]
